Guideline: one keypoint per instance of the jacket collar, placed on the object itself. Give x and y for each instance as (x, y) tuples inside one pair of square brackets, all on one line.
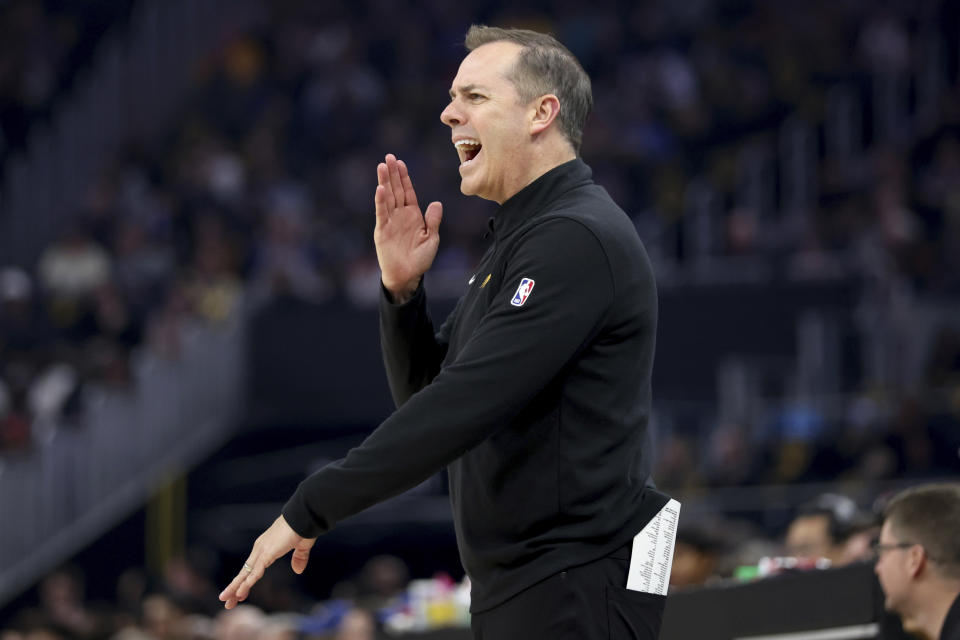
[(538, 195), (951, 624)]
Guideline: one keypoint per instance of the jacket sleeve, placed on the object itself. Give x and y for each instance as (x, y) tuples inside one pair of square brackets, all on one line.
[(412, 353), (513, 353)]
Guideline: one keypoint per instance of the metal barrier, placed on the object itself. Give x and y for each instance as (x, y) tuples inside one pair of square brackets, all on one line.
[(58, 498)]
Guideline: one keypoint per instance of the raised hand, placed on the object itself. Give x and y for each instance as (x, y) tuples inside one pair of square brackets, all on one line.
[(406, 239), (273, 543)]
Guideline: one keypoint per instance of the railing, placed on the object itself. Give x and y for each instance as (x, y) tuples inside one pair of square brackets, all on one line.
[(131, 89), (60, 496)]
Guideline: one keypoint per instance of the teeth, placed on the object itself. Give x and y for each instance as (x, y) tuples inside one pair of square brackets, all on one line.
[(466, 142)]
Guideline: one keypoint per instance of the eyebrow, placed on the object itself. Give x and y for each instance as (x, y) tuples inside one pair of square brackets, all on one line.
[(467, 88)]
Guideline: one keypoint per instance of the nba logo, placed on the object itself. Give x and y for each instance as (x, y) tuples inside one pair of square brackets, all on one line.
[(523, 292)]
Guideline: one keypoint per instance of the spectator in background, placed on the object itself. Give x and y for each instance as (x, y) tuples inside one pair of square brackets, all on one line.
[(731, 458), (62, 600), (71, 272), (22, 341), (918, 560), (817, 531), (279, 630), (130, 590), (74, 267), (357, 624), (830, 527), (214, 284), (697, 554), (245, 622), (162, 617), (381, 583), (144, 267), (283, 261), (185, 579)]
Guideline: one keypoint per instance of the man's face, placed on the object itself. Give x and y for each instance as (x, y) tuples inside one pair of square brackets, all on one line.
[(489, 126), (892, 568), (809, 537)]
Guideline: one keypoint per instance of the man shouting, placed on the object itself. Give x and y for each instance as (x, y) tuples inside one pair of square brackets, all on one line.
[(535, 391)]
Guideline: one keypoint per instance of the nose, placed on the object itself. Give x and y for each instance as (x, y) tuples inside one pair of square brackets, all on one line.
[(451, 116)]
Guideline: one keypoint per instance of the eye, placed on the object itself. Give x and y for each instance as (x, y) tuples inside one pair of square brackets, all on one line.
[(474, 96)]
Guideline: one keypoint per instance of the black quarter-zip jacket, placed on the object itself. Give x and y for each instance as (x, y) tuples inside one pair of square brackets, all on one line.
[(535, 393)]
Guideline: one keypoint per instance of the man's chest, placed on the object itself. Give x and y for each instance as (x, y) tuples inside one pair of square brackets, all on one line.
[(483, 292)]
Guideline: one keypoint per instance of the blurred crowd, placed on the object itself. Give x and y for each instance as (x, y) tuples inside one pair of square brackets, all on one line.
[(876, 436), (181, 603), (381, 601), (43, 45), (262, 191)]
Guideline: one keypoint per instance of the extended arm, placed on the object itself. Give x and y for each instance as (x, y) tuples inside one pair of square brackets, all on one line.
[(514, 353)]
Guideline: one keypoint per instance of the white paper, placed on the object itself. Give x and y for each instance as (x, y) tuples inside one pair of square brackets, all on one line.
[(652, 557)]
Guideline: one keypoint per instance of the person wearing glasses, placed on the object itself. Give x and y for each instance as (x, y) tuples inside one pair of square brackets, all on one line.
[(918, 560)]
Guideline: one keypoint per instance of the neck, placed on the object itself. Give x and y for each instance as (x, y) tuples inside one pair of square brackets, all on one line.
[(543, 157), (931, 611)]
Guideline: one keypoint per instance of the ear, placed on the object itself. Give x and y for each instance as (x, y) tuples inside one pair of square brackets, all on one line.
[(916, 560), (546, 108)]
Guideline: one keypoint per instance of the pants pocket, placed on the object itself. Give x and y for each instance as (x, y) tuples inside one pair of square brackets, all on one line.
[(633, 615)]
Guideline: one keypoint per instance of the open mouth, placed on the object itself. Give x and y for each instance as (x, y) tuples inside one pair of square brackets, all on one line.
[(468, 149)]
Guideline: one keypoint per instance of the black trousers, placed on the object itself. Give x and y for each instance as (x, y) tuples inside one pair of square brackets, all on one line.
[(589, 602)]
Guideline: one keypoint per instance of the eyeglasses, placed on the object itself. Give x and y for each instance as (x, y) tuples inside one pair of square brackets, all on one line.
[(879, 548)]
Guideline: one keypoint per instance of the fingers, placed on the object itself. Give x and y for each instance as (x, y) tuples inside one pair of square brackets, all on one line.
[(299, 560), (383, 181), (380, 203), (251, 578), (396, 183), (239, 589), (394, 189), (433, 216), (261, 557), (274, 543), (230, 596), (409, 195)]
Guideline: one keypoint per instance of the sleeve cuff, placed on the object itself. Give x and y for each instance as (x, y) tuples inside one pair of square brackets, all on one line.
[(298, 516), (386, 298)]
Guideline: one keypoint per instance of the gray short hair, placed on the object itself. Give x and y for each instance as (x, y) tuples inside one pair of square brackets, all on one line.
[(544, 66), (929, 515)]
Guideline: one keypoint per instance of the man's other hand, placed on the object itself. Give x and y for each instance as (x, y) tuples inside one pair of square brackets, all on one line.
[(273, 543)]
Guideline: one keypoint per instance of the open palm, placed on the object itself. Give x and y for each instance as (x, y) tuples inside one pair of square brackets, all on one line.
[(406, 239)]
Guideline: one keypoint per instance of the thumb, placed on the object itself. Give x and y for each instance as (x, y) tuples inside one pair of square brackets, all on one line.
[(298, 562), (433, 216)]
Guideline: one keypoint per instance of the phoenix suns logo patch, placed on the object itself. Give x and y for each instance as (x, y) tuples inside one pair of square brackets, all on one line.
[(523, 292)]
